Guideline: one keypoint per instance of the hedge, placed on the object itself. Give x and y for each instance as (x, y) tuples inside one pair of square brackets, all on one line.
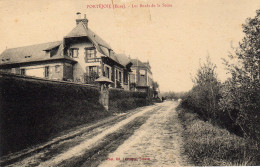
[(122, 100), (33, 111)]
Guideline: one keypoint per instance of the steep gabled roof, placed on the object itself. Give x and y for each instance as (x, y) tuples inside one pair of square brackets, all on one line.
[(114, 57), (123, 59), (31, 53), (102, 46), (38, 52), (98, 39), (78, 31), (138, 63), (82, 31)]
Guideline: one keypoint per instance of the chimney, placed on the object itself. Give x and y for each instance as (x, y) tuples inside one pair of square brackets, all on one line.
[(84, 20)]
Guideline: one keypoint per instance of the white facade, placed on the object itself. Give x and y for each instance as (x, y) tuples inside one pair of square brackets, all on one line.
[(80, 68)]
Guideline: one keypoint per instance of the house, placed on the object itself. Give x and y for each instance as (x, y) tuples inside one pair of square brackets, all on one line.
[(141, 75), (82, 56)]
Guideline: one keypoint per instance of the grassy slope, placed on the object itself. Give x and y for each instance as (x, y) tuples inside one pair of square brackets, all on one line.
[(209, 145)]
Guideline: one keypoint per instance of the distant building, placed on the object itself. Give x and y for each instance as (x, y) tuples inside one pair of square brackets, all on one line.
[(79, 57), (141, 75)]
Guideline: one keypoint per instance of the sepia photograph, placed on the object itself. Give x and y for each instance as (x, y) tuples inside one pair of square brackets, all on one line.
[(129, 83)]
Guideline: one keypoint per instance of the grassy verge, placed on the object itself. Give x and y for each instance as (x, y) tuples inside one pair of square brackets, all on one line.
[(208, 145)]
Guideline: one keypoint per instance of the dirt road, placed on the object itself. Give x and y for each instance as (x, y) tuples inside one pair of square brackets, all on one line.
[(147, 136)]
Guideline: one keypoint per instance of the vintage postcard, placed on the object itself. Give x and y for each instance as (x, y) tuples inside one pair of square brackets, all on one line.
[(129, 83)]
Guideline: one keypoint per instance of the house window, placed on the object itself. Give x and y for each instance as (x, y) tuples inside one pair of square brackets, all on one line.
[(107, 72), (125, 77), (90, 53), (142, 72), (92, 69), (74, 52), (46, 72), (57, 68), (116, 75), (22, 71), (120, 76)]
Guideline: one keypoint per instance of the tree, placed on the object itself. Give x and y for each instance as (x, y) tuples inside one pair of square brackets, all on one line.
[(205, 93), (241, 93)]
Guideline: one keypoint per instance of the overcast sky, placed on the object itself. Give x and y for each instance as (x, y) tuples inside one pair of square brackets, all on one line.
[(173, 39)]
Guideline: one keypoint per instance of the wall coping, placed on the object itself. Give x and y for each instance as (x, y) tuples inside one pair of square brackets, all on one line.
[(44, 79)]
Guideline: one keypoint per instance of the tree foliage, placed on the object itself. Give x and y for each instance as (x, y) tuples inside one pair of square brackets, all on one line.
[(203, 97), (241, 93), (235, 103)]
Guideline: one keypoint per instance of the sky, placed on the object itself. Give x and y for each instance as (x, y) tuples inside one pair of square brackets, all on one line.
[(173, 39)]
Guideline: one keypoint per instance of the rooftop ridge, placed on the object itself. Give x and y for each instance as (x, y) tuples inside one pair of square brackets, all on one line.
[(33, 45)]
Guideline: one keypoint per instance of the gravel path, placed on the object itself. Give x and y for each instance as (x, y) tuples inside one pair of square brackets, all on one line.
[(89, 143), (156, 143), (147, 136)]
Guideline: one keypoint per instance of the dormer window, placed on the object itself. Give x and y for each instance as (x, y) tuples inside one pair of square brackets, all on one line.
[(8, 59), (74, 52), (27, 56)]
